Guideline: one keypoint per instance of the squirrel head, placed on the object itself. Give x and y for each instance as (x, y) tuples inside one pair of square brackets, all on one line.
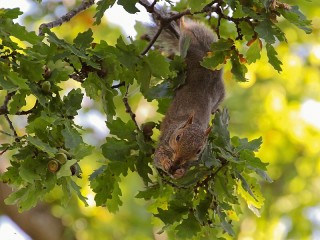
[(187, 143)]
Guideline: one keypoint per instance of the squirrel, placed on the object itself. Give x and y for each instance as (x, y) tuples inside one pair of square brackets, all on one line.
[(185, 128)]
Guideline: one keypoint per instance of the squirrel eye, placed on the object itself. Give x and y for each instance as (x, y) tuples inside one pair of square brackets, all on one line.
[(178, 137), (199, 151)]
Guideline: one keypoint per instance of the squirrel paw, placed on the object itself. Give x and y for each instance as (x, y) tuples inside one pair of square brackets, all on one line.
[(179, 173), (162, 159), (166, 163)]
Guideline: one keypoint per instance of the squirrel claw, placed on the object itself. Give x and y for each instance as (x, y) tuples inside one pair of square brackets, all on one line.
[(179, 173), (166, 164)]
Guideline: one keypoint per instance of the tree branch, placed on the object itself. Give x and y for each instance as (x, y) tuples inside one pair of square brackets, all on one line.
[(153, 40), (67, 17), (165, 21), (128, 108)]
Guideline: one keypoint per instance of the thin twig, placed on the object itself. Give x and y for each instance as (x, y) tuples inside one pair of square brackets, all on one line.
[(128, 108), (1, 153), (209, 177), (5, 133), (65, 18), (153, 40), (11, 125)]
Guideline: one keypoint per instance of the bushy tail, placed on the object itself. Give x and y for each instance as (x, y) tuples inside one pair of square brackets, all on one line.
[(168, 40)]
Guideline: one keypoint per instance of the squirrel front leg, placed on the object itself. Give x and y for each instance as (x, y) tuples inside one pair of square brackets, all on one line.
[(162, 158)]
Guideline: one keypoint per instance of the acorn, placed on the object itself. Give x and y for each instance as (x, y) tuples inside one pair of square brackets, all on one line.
[(61, 150), (61, 157), (46, 86), (53, 165), (76, 170)]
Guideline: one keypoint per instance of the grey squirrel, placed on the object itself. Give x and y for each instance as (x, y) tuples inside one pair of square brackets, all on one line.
[(185, 127)]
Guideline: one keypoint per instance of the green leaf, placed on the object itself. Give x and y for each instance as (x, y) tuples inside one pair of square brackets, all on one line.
[(30, 68), (215, 60), (273, 59), (31, 168), (222, 45), (243, 143), (245, 185), (115, 202), (197, 5), (82, 150), (12, 175), (252, 161), (71, 137), (121, 129), (17, 80), (225, 225), (20, 32), (14, 197), (264, 175), (253, 52), (143, 168), (17, 102), (188, 227), (151, 192), (104, 183), (202, 209), (72, 102), (25, 198), (159, 91), (76, 189), (6, 85), (293, 15), (10, 13), (266, 31), (220, 51), (158, 64), (144, 76), (42, 145), (92, 85), (129, 5), (84, 40), (117, 150), (108, 104), (220, 129), (102, 6), (65, 171), (208, 158), (126, 54), (70, 49), (238, 70), (173, 214)]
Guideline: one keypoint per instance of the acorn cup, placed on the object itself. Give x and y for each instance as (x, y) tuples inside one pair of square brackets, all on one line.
[(53, 165), (61, 157)]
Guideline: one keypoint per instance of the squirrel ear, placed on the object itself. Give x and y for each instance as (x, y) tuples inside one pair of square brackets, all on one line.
[(207, 132), (189, 121), (182, 23)]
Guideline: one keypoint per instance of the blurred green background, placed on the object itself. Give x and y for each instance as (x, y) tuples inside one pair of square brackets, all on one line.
[(282, 108)]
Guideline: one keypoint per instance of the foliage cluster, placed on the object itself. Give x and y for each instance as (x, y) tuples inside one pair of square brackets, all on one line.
[(207, 199)]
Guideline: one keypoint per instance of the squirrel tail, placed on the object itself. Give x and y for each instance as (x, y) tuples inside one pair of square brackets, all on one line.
[(183, 35), (168, 40)]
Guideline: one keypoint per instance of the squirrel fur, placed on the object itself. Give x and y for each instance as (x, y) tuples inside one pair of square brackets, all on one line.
[(185, 127)]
